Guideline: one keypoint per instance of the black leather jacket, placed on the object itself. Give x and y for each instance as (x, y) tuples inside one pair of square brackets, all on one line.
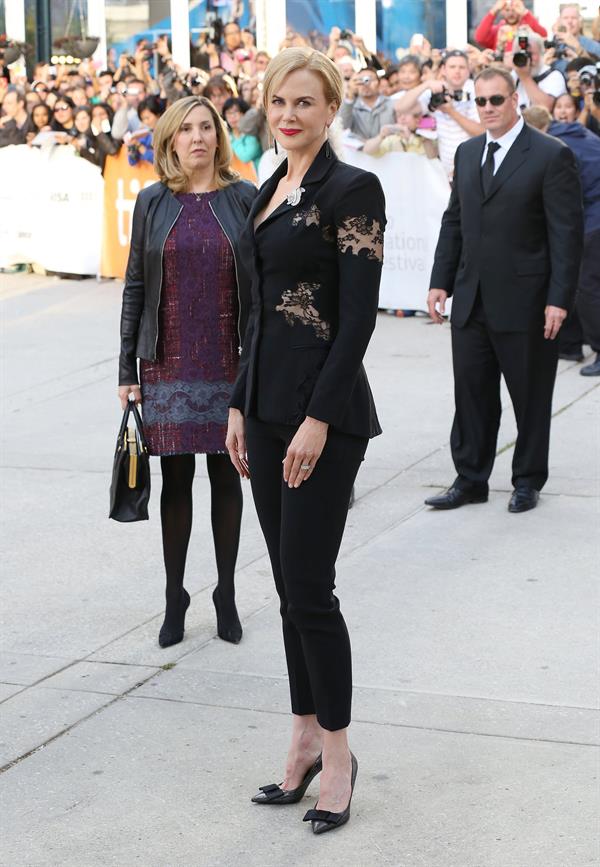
[(156, 212)]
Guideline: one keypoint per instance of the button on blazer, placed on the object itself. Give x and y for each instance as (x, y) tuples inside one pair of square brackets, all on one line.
[(315, 269)]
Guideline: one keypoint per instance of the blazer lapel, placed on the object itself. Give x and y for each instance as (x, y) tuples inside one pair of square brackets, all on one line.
[(511, 162)]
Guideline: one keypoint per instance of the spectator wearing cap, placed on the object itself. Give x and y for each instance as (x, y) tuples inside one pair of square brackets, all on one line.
[(513, 14), (364, 110), (581, 74), (456, 117), (15, 122)]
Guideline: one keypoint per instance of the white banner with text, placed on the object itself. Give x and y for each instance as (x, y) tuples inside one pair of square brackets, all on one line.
[(416, 195)]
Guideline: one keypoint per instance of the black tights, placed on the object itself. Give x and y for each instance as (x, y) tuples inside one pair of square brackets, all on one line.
[(176, 519)]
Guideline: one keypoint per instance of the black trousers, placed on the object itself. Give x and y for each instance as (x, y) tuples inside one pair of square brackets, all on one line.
[(528, 363), (303, 529)]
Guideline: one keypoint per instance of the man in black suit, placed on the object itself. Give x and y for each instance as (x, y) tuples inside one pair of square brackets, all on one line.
[(508, 253)]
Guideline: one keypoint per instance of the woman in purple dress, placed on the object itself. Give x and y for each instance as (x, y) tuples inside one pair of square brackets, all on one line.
[(181, 317)]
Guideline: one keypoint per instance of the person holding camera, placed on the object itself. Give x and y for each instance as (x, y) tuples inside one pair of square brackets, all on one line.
[(450, 101), (139, 143), (583, 79), (513, 15), (364, 110), (126, 118), (182, 317), (537, 83), (567, 31), (508, 253)]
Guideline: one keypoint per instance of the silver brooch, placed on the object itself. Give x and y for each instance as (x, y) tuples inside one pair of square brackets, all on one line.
[(295, 196)]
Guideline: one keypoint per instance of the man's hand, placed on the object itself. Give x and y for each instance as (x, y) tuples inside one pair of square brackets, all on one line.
[(498, 6), (436, 304), (555, 316)]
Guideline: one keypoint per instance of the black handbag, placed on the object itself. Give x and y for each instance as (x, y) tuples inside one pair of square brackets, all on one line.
[(130, 485)]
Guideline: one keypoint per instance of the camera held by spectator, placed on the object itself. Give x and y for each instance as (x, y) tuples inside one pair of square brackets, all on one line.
[(589, 79), (522, 56), (439, 99)]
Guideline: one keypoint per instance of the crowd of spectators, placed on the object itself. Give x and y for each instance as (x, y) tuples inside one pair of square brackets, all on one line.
[(422, 101)]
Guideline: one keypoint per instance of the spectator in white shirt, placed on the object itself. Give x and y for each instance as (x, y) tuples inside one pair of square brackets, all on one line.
[(537, 84), (457, 118)]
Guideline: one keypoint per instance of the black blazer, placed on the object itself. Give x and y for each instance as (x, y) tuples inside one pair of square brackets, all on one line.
[(156, 212), (315, 272), (521, 244)]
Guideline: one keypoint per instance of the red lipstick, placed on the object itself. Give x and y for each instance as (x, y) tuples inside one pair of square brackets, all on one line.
[(290, 131)]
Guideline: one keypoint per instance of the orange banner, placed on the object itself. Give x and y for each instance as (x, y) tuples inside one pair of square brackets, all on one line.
[(122, 183)]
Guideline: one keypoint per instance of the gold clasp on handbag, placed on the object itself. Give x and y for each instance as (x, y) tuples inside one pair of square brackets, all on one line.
[(132, 441)]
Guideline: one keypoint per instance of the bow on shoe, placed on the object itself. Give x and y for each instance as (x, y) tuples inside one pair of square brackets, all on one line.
[(272, 792), (322, 816)]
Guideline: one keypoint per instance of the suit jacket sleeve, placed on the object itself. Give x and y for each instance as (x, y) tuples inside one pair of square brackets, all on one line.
[(359, 222), (563, 206), (238, 395), (133, 298), (449, 245)]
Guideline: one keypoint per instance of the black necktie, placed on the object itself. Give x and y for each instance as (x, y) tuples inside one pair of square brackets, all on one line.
[(487, 169)]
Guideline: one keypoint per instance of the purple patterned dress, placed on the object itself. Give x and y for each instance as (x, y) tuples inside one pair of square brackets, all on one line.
[(186, 390)]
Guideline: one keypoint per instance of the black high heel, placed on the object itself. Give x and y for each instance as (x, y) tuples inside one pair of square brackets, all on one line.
[(171, 632), (274, 794), (231, 632), (323, 820)]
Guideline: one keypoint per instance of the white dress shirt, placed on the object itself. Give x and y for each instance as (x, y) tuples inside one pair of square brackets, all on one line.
[(505, 141)]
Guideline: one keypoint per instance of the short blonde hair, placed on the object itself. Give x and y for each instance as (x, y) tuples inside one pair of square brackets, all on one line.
[(291, 59), (166, 162)]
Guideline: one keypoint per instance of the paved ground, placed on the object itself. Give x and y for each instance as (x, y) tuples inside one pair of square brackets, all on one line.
[(475, 635)]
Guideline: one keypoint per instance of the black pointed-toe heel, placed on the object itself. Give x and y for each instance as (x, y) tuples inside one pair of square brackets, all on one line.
[(171, 632), (323, 820), (274, 794), (231, 632)]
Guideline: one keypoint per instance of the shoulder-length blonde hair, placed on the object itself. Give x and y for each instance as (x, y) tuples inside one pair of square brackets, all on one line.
[(166, 162), (291, 59)]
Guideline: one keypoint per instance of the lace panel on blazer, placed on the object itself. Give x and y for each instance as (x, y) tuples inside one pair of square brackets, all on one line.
[(298, 306), (309, 216), (360, 233)]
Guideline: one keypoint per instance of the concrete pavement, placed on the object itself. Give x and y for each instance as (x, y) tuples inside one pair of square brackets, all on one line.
[(475, 634)]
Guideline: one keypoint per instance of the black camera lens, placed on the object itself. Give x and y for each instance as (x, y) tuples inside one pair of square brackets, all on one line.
[(521, 58), (437, 99)]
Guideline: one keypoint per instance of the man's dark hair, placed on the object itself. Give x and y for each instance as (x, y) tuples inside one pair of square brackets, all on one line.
[(496, 72), (104, 72), (578, 63), (151, 103), (234, 102), (18, 91), (412, 59)]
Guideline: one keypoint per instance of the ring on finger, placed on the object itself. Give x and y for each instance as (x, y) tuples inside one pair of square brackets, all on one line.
[(305, 467)]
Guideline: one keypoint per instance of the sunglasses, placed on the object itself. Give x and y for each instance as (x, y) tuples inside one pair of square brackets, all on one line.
[(62, 107), (496, 99)]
